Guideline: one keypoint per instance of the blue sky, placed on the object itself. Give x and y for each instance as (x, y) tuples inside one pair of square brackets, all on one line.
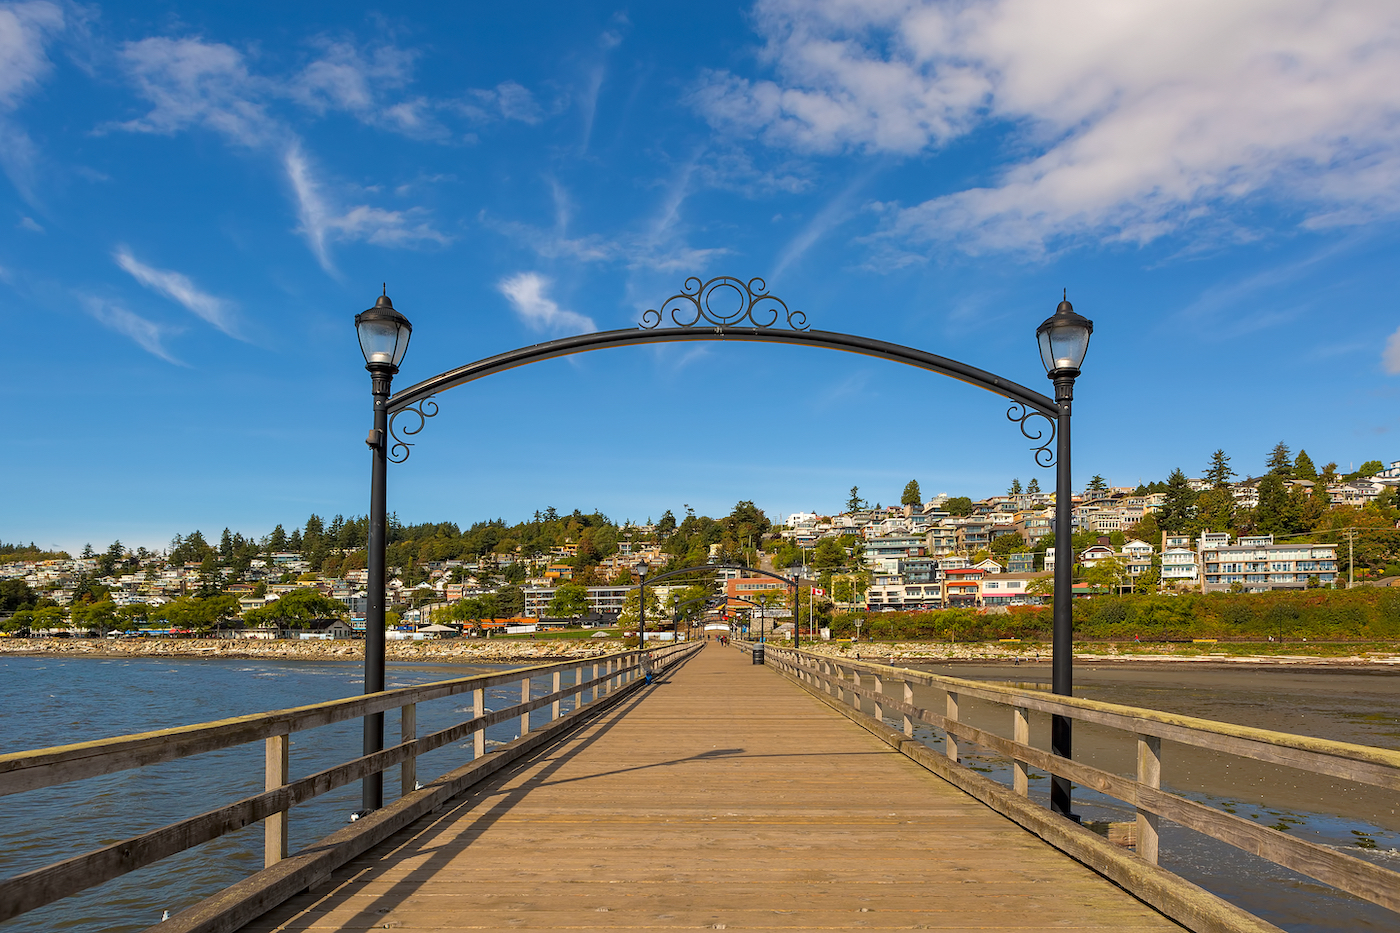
[(199, 198)]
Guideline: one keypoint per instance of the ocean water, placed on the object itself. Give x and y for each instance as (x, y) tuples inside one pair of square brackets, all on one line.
[(58, 700)]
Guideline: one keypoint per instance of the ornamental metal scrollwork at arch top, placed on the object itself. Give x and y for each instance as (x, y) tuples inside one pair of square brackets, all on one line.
[(722, 308)]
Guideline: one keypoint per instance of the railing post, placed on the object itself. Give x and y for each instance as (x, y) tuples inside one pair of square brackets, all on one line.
[(855, 685), (479, 710), (275, 775), (408, 732), (1021, 735), (524, 698), (554, 709), (908, 701), (578, 691), (951, 741), (840, 682), (879, 692), (1149, 774)]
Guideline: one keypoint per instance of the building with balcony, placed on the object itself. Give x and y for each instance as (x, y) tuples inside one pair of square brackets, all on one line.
[(1256, 564)]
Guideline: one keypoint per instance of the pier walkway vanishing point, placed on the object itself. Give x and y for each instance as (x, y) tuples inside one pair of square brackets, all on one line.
[(720, 797)]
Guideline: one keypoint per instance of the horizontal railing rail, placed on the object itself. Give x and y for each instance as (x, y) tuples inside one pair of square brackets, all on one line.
[(50, 767), (843, 679)]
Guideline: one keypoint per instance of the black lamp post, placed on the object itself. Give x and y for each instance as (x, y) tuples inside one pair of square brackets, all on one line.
[(1064, 339), (384, 335), (641, 569)]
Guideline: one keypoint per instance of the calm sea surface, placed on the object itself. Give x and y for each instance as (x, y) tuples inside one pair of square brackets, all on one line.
[(55, 701), (51, 701)]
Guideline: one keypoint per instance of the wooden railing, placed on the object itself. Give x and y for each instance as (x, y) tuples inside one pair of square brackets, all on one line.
[(595, 679), (889, 690)]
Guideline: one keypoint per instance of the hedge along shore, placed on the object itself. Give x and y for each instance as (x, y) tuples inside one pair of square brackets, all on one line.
[(505, 651), (445, 651)]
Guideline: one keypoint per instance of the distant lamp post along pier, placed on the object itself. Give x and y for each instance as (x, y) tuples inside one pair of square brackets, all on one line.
[(1064, 339), (384, 335)]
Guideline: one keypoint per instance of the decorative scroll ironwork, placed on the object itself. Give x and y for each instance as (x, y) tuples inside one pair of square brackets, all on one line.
[(725, 301), (1019, 413), (401, 448)]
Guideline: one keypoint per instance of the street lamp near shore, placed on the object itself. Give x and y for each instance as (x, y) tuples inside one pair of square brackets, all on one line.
[(1064, 340), (384, 335), (641, 568)]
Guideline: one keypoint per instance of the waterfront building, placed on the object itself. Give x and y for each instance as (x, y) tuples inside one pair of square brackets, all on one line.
[(1256, 564)]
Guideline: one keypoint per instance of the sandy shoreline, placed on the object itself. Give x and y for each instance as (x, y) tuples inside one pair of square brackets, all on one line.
[(495, 651)]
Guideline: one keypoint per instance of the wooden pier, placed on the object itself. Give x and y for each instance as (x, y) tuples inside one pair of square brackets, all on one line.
[(723, 797)]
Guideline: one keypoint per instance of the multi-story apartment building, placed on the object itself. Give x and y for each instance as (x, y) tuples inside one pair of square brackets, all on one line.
[(1257, 564), (1180, 565), (603, 601), (942, 539)]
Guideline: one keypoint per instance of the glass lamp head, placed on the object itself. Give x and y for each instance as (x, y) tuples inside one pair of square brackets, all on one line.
[(384, 334), (1064, 340), (641, 568)]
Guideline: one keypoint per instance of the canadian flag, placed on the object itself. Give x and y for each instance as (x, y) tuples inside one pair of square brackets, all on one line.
[(818, 591)]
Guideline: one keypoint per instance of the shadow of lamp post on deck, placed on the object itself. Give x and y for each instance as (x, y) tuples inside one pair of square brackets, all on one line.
[(384, 335), (1064, 339)]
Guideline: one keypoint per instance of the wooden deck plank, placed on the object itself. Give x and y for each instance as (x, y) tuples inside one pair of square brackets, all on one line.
[(724, 798)]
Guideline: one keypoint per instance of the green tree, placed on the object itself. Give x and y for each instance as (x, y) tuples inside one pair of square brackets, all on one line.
[(628, 617), (1369, 468), (16, 595), (959, 505), (667, 525), (510, 600), (1280, 462), (570, 601), (1274, 514), (829, 555), (911, 495), (99, 616), (1219, 472), (1215, 510), (301, 608), (1097, 484), (853, 501), (1033, 487), (1015, 488), (1179, 510), (1303, 466)]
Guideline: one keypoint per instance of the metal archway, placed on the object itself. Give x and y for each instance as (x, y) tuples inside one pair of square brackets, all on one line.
[(720, 309)]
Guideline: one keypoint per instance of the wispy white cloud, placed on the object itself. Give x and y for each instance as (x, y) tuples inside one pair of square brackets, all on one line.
[(1139, 120), (179, 288), (526, 294), (833, 213), (322, 220), (1390, 357), (148, 335), (190, 82), (26, 29), (30, 224)]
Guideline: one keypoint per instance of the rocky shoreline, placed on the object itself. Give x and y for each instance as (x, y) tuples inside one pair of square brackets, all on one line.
[(503, 651)]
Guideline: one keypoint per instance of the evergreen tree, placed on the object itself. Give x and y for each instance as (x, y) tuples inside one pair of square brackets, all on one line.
[(1303, 466), (1219, 472), (1097, 484), (1033, 487), (1015, 489), (1280, 463), (667, 525), (1215, 510), (853, 500), (1179, 510), (911, 494), (1274, 514), (277, 541)]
